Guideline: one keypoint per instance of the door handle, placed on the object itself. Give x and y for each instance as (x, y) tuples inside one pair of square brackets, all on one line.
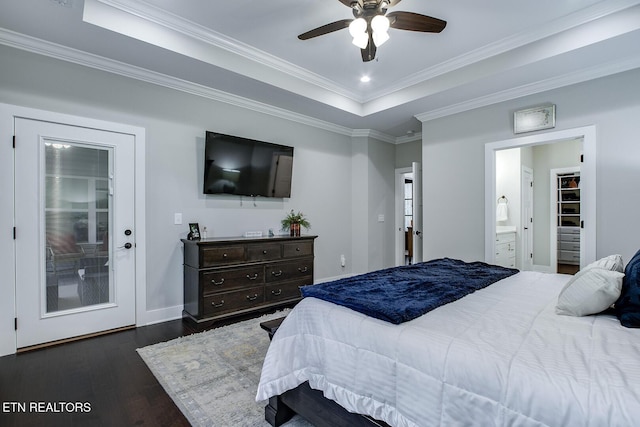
[(417, 233), (126, 246)]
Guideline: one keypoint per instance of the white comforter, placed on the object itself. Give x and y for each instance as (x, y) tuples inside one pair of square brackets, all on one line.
[(498, 357)]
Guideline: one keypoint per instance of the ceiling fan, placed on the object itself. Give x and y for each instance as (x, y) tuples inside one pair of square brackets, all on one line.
[(371, 22)]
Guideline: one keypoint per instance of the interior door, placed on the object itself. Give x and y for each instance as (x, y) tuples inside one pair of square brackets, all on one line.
[(527, 219), (75, 240), (417, 212)]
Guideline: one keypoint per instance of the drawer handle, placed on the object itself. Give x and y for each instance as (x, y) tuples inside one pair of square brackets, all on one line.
[(224, 255), (213, 303), (297, 249), (254, 277), (217, 283), (252, 298), (276, 293), (303, 269), (276, 273), (264, 252)]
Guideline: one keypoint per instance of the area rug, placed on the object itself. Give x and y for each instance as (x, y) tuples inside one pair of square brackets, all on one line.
[(213, 376)]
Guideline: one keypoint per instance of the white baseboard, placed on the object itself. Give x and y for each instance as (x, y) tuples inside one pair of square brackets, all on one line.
[(543, 268), (152, 317)]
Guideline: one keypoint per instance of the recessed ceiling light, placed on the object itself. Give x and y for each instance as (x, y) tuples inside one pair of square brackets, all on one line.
[(365, 79)]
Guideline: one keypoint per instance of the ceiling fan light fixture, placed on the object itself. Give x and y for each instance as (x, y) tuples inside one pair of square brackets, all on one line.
[(380, 26), (379, 38), (358, 30), (357, 27), (361, 40)]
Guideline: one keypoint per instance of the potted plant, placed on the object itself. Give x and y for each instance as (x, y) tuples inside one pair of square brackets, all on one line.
[(293, 221)]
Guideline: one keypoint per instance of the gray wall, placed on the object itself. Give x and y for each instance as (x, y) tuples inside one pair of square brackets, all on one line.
[(453, 159), (408, 153), (330, 169)]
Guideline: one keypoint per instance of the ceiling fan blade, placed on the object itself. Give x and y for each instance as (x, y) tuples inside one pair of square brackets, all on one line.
[(415, 22), (369, 52), (393, 2), (325, 29)]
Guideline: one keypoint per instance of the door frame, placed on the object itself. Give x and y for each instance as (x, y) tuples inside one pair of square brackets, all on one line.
[(587, 181), (8, 112), (553, 218), (526, 247), (399, 225)]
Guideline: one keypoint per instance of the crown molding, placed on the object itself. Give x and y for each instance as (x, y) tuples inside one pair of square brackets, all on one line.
[(56, 51), (354, 102), (523, 38), (416, 136), (172, 22), (567, 79)]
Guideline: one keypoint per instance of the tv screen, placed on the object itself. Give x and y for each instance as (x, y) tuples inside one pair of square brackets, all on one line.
[(246, 167)]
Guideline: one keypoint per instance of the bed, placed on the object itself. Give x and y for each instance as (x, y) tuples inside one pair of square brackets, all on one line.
[(499, 356)]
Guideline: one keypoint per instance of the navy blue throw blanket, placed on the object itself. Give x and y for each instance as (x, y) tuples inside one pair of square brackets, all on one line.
[(400, 294)]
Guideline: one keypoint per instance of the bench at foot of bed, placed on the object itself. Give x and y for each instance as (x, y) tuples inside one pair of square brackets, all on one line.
[(315, 408)]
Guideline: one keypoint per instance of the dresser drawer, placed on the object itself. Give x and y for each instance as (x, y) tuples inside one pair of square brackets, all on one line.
[(505, 249), (569, 256), (505, 237), (223, 280), (222, 255), (233, 301), (296, 249), (288, 270), (264, 252), (569, 230), (568, 237), (569, 246), (283, 291), (507, 262)]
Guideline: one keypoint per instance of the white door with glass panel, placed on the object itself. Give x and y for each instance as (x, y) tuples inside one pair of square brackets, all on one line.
[(75, 236)]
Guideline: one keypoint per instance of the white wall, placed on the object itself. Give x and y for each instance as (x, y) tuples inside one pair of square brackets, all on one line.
[(331, 171), (508, 183), (454, 165)]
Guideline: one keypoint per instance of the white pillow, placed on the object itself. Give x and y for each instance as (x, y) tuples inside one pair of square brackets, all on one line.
[(611, 262), (590, 291)]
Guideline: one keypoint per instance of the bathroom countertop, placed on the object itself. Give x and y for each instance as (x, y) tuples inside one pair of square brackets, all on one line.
[(501, 229)]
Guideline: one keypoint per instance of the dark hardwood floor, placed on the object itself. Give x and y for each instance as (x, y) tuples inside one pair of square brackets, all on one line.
[(103, 375)]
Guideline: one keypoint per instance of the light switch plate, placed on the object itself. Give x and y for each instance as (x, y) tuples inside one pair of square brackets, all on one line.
[(177, 218)]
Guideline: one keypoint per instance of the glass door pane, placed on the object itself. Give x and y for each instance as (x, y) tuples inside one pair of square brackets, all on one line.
[(77, 216)]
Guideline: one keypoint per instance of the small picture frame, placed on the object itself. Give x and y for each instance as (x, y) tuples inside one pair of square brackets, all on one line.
[(532, 119), (194, 231)]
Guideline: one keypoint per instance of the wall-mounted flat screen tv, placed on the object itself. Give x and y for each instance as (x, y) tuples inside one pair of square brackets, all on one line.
[(246, 167)]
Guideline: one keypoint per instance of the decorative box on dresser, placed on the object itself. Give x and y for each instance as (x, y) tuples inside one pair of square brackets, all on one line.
[(225, 277)]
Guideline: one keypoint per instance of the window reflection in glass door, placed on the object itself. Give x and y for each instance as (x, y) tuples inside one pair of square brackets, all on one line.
[(77, 218)]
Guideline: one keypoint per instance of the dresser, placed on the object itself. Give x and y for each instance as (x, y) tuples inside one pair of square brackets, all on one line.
[(225, 277), (569, 245)]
